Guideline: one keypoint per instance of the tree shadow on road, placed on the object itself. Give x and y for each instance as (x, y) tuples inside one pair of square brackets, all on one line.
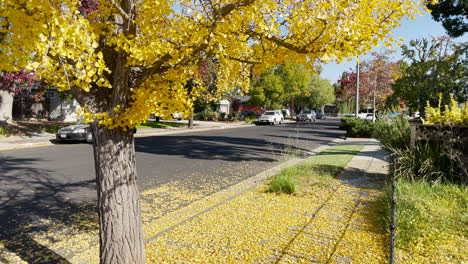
[(31, 203), (214, 147)]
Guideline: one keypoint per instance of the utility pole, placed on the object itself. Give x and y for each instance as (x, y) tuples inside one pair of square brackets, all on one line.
[(357, 89)]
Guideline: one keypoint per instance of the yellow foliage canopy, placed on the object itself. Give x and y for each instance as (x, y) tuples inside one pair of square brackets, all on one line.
[(129, 58)]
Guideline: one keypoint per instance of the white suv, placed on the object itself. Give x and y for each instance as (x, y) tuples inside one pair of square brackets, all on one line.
[(272, 117)]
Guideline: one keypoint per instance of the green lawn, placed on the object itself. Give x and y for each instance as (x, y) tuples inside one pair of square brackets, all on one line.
[(161, 124), (431, 222), (326, 165)]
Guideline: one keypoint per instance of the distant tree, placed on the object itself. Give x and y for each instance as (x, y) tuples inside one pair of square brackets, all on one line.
[(279, 85), (346, 87), (12, 83), (376, 78), (295, 80), (268, 90), (452, 13), (318, 93), (437, 66), (381, 72)]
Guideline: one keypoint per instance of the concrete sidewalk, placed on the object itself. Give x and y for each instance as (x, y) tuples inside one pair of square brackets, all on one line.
[(46, 139)]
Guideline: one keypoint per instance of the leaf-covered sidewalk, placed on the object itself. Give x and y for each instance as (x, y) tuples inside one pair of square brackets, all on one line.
[(335, 222)]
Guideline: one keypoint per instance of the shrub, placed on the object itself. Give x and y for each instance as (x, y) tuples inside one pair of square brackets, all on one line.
[(4, 131), (431, 163), (452, 115), (393, 133), (223, 116), (358, 128), (51, 128), (208, 114)]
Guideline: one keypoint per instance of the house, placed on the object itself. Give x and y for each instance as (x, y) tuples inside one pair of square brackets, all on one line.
[(52, 105), (240, 103)]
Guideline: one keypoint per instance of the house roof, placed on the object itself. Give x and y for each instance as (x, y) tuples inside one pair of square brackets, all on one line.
[(241, 98)]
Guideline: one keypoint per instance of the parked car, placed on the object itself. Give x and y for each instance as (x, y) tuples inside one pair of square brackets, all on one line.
[(77, 132), (175, 116), (271, 118), (307, 115), (280, 113), (321, 115)]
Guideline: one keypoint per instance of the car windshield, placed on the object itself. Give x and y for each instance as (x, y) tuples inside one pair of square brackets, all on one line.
[(269, 113), (306, 112), (80, 122)]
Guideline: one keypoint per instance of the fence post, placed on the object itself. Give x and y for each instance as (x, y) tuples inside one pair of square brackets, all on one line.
[(393, 213)]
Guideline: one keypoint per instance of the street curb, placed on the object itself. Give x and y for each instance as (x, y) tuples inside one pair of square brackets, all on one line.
[(212, 201), (28, 145)]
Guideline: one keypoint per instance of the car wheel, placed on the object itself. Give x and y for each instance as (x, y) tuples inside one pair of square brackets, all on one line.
[(89, 137), (281, 121)]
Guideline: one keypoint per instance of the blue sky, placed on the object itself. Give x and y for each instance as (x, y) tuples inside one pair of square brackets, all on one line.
[(422, 26)]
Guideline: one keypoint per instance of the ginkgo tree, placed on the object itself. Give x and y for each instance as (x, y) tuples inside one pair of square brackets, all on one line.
[(124, 59)]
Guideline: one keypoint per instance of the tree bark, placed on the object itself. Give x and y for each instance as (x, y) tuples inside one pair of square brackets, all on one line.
[(121, 232), (6, 106)]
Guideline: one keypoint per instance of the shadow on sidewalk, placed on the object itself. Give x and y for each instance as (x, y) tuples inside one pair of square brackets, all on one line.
[(29, 198)]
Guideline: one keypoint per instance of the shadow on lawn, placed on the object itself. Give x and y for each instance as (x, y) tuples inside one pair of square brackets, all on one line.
[(28, 196)]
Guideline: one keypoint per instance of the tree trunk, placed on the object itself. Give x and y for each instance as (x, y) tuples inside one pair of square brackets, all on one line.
[(121, 232), (292, 108), (6, 106), (190, 121)]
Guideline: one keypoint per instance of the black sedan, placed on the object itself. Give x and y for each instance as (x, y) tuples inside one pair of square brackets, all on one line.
[(76, 132)]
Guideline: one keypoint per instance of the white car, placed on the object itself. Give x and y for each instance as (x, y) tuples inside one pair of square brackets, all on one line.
[(307, 115), (271, 118)]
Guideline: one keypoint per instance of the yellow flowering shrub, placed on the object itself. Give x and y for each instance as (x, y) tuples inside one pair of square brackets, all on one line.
[(452, 115)]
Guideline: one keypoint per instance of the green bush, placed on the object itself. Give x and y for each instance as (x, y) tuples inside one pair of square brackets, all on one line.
[(223, 116), (208, 114), (51, 128), (250, 115), (358, 128), (4, 131), (393, 133)]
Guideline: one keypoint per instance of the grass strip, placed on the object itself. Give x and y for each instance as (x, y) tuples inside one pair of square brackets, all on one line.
[(154, 124), (432, 222), (327, 165)]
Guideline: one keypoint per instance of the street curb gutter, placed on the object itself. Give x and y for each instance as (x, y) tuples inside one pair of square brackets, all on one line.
[(208, 203)]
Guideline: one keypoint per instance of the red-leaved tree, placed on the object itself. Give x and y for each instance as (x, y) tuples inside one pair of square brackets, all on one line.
[(12, 83)]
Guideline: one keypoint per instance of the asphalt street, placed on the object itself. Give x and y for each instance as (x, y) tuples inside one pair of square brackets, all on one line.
[(38, 182)]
